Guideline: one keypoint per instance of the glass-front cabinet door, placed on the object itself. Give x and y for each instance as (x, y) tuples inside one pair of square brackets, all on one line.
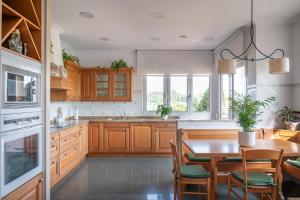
[(121, 86), (102, 85)]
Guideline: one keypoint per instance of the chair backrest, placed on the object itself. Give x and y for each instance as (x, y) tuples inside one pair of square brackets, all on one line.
[(176, 163), (255, 154)]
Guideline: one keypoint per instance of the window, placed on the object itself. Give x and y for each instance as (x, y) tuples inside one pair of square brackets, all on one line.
[(231, 84), (178, 93), (200, 93), (155, 91), (186, 94)]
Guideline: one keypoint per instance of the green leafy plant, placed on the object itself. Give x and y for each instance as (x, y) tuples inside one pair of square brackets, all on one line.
[(117, 64), (69, 57), (247, 110), (287, 114), (164, 110)]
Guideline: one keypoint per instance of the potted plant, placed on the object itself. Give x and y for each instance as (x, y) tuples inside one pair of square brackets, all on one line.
[(117, 64), (289, 118), (164, 111), (247, 109)]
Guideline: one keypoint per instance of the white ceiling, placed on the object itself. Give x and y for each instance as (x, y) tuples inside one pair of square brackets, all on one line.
[(128, 24)]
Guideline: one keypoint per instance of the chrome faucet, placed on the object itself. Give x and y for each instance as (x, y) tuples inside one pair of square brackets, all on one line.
[(123, 114)]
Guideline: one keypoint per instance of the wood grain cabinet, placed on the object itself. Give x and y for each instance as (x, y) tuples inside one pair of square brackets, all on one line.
[(87, 85), (163, 136), (68, 160), (116, 139), (54, 171), (32, 190), (83, 141), (142, 138), (96, 138)]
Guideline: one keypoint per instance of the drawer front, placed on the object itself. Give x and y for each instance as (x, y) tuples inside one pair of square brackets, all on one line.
[(68, 160), (116, 124), (54, 148), (54, 171), (68, 142), (54, 136), (166, 125), (70, 131)]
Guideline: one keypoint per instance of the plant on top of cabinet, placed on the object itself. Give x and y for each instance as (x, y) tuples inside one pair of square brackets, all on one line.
[(117, 64), (164, 111), (69, 57), (289, 117)]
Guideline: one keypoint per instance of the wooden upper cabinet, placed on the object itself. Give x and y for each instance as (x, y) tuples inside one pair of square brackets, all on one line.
[(103, 82), (87, 86), (121, 86), (95, 138), (142, 138)]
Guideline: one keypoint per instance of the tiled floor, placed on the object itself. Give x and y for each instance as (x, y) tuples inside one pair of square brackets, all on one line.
[(121, 179)]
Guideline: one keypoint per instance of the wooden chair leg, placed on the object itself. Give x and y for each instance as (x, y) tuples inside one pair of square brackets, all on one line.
[(274, 193), (175, 189), (262, 196), (245, 195), (179, 187), (208, 189), (229, 187)]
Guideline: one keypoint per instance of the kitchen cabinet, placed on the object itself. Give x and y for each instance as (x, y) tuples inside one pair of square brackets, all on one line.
[(121, 86), (163, 136), (96, 138), (87, 86), (32, 190), (103, 82), (141, 137), (54, 171), (83, 141), (67, 89), (68, 147), (116, 139)]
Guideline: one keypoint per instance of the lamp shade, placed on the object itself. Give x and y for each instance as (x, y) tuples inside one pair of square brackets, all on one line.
[(279, 65), (226, 66)]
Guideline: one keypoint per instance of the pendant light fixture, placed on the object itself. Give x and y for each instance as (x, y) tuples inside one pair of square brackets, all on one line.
[(277, 65)]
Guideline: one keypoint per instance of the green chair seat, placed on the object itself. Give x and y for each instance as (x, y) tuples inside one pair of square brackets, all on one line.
[(239, 159), (191, 157), (193, 171), (254, 178), (295, 163)]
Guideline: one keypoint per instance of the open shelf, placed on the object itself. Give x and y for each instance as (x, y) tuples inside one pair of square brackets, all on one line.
[(24, 15)]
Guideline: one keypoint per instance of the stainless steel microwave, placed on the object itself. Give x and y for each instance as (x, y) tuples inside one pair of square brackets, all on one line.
[(20, 87)]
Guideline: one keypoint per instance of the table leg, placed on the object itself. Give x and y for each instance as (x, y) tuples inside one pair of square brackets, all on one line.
[(214, 178)]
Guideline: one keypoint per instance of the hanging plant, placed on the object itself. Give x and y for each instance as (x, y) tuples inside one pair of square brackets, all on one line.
[(118, 64)]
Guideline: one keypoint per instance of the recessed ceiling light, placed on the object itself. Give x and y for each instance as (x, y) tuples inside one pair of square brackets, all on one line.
[(154, 38), (105, 39), (87, 15), (157, 15), (207, 39), (183, 36)]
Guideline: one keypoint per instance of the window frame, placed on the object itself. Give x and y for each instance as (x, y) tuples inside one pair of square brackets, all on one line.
[(167, 94)]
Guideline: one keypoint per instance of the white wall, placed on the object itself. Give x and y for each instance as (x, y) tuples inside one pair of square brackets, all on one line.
[(296, 62), (268, 38)]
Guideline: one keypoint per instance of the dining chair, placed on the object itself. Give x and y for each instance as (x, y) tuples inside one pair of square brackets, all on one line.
[(263, 180), (188, 175), (292, 167)]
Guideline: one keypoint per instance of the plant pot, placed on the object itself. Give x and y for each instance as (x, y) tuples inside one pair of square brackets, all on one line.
[(165, 117), (293, 126), (246, 139)]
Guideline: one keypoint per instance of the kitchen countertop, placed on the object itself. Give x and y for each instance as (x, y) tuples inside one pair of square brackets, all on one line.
[(84, 120)]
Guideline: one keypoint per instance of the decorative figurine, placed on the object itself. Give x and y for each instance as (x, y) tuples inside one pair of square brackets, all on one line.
[(25, 49), (15, 42)]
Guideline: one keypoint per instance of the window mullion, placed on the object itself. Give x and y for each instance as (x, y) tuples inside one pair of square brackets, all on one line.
[(189, 94)]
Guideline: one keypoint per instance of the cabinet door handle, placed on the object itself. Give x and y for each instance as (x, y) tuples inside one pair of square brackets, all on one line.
[(52, 162), (65, 154), (53, 146), (66, 140)]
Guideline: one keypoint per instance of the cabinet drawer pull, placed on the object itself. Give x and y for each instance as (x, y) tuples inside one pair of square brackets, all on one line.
[(52, 162), (66, 140), (65, 154), (53, 146), (52, 138)]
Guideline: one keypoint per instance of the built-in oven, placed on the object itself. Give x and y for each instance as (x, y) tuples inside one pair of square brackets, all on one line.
[(20, 82), (20, 149)]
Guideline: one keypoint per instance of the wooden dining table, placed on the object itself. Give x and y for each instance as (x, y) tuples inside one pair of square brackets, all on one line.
[(218, 149)]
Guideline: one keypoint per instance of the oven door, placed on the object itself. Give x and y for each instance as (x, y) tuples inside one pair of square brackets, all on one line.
[(21, 157)]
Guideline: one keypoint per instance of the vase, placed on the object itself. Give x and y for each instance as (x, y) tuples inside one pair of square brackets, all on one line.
[(165, 117), (246, 139), (293, 126)]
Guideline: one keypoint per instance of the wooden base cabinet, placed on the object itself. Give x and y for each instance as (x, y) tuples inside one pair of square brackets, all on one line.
[(141, 137), (163, 136), (32, 190), (73, 147), (96, 138), (116, 139)]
